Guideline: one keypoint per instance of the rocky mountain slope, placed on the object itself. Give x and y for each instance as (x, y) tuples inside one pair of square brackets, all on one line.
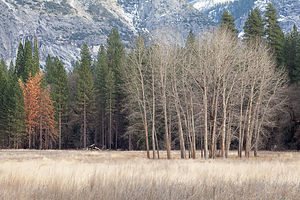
[(63, 25), (288, 10)]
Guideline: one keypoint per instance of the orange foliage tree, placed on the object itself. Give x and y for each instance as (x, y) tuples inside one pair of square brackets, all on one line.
[(31, 92), (47, 123), (39, 111)]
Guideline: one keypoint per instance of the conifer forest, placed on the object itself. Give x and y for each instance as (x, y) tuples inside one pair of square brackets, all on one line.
[(212, 93)]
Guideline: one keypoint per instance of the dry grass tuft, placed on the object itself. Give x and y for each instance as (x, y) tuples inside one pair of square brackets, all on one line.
[(75, 175)]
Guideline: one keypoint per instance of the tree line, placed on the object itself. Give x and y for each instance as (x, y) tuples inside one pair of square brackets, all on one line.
[(214, 93)]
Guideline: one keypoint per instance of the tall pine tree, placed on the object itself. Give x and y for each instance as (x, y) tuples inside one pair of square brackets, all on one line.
[(28, 62), (3, 103), (16, 113), (36, 59), (85, 94), (275, 36), (254, 26), (291, 54), (101, 72), (20, 61), (227, 22), (56, 77), (116, 55)]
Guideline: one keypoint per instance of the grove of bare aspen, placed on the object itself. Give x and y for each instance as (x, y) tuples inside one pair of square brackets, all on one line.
[(214, 94)]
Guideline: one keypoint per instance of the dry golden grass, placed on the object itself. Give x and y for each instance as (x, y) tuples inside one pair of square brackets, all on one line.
[(80, 175)]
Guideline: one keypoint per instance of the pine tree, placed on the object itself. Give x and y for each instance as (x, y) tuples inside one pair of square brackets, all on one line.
[(110, 103), (275, 36), (15, 112), (227, 22), (60, 95), (85, 92), (49, 70), (291, 46), (190, 40), (36, 60), (295, 71), (254, 26), (116, 55), (3, 102), (28, 62), (20, 61), (101, 72)]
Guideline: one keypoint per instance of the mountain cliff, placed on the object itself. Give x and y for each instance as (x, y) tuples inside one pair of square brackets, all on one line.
[(288, 10), (63, 25)]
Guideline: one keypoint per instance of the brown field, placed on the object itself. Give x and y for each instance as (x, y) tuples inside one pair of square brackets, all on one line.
[(31, 174)]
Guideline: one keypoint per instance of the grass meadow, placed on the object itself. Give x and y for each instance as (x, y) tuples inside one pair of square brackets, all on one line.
[(114, 175)]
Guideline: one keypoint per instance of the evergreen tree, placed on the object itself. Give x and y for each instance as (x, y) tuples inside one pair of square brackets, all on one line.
[(227, 22), (49, 70), (15, 112), (275, 36), (85, 93), (101, 72), (28, 62), (190, 40), (76, 67), (36, 60), (254, 26), (291, 47), (295, 70), (110, 104), (3, 102), (56, 77), (20, 61), (116, 55), (60, 95)]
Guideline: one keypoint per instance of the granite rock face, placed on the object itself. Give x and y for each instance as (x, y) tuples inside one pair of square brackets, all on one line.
[(63, 25), (288, 10)]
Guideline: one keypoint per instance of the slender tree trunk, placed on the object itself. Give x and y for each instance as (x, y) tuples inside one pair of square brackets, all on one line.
[(146, 130), (116, 139), (256, 145), (201, 144), (59, 128), (181, 138), (188, 135), (241, 128), (168, 146), (157, 145), (223, 122), (153, 114), (193, 130), (33, 139), (213, 137), (84, 124), (46, 141), (97, 131), (144, 110), (102, 130), (110, 122), (129, 142), (228, 137), (205, 121), (29, 140), (41, 134), (247, 145)]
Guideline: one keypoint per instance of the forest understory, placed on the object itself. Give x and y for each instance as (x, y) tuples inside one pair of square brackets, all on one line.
[(54, 174)]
